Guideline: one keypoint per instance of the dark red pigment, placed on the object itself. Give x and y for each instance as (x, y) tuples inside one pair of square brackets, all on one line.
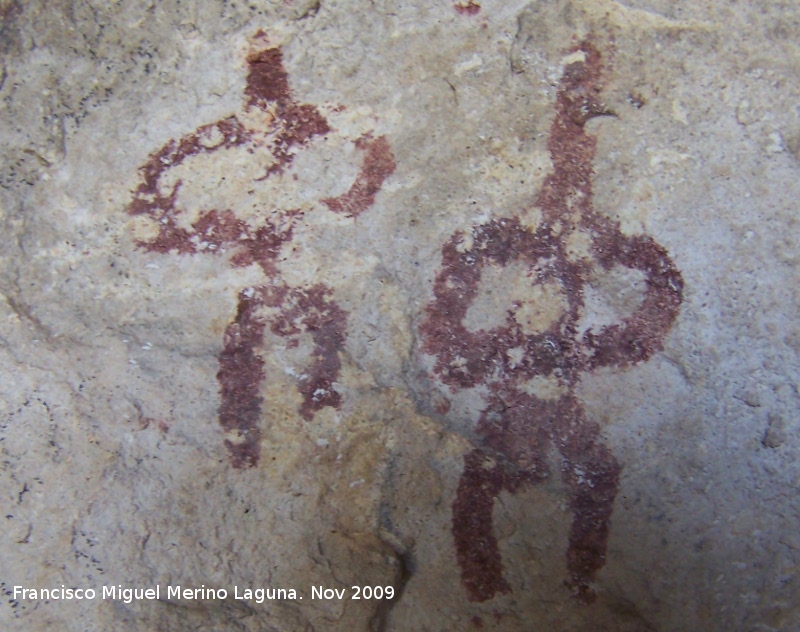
[(377, 166), (515, 429), (240, 374), (267, 79), (312, 311), (467, 8), (287, 311)]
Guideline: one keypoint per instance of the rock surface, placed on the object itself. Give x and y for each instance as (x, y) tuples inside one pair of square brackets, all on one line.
[(492, 303)]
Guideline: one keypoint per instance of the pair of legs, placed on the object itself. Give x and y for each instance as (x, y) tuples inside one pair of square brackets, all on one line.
[(289, 312), (517, 437)]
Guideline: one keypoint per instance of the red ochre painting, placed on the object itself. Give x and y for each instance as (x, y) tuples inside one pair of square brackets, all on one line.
[(516, 429), (271, 122)]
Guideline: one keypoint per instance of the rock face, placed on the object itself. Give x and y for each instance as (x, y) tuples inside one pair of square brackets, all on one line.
[(450, 316)]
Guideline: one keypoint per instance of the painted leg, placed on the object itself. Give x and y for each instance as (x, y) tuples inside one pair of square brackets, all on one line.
[(477, 551), (240, 374), (592, 475)]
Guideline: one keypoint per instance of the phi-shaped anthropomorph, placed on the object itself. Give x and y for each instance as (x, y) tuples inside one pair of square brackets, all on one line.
[(555, 262), (233, 188)]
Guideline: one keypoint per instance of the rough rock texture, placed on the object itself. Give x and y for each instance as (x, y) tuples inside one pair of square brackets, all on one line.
[(492, 303)]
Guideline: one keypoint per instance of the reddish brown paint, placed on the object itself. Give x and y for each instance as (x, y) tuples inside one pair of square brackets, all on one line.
[(149, 199), (313, 311), (240, 374), (516, 429), (467, 8), (285, 311), (378, 165), (300, 124), (267, 80)]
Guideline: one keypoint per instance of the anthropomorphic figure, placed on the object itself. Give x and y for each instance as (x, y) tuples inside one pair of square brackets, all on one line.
[(558, 259), (270, 132)]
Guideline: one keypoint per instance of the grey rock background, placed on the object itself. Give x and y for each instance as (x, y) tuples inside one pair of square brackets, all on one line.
[(113, 465)]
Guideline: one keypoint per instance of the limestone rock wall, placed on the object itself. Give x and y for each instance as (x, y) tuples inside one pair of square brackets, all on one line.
[(489, 303)]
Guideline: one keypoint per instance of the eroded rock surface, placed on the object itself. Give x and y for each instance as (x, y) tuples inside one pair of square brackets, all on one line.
[(487, 303)]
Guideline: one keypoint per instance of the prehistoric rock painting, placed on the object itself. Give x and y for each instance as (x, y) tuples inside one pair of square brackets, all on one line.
[(272, 128), (467, 7), (556, 262)]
